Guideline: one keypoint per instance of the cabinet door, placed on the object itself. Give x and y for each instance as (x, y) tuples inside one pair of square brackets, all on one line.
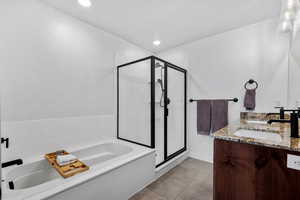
[(251, 172), (262, 178), (241, 171), (285, 181), (233, 171)]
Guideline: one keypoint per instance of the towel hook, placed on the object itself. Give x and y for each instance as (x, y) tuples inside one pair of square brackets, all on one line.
[(251, 81)]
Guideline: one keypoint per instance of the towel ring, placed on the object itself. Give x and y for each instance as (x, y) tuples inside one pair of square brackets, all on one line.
[(251, 81)]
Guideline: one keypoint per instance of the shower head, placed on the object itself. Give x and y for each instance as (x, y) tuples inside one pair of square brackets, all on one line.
[(158, 65), (161, 84)]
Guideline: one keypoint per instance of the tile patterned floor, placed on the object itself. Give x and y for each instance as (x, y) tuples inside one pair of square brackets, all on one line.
[(191, 180)]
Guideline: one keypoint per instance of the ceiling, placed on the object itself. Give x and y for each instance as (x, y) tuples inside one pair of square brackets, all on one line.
[(173, 22)]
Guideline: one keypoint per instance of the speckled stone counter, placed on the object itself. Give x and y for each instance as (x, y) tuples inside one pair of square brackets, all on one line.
[(287, 143)]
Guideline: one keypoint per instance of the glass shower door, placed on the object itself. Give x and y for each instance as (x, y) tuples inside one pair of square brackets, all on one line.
[(175, 111)]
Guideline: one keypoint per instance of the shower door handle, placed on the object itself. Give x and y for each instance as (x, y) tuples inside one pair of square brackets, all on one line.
[(168, 101)]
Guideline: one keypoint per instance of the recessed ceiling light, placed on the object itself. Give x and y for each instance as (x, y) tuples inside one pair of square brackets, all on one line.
[(156, 42), (85, 3)]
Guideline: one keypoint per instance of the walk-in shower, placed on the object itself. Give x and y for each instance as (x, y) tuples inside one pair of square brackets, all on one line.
[(151, 98)]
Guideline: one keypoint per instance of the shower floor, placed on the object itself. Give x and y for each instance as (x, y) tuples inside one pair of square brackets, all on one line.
[(191, 180)]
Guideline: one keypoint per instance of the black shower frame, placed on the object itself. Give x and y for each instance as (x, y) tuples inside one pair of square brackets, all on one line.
[(152, 106)]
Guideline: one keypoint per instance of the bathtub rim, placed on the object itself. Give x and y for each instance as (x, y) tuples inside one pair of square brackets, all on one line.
[(137, 152)]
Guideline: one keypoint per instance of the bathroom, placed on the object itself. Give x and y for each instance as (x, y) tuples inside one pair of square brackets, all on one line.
[(160, 100)]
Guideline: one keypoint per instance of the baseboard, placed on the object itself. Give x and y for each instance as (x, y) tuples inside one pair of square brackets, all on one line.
[(195, 156)]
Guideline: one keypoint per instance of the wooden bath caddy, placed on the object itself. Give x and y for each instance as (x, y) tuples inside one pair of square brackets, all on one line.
[(66, 170)]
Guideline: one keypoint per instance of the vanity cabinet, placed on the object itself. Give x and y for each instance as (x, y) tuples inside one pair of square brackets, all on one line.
[(251, 172)]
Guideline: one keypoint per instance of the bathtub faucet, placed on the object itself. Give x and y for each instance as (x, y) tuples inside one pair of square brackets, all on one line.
[(6, 141), (13, 162)]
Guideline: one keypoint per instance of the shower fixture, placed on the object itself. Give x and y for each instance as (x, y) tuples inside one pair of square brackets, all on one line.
[(158, 65), (160, 82)]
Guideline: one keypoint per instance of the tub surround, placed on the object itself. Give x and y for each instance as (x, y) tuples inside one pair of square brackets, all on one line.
[(122, 154)]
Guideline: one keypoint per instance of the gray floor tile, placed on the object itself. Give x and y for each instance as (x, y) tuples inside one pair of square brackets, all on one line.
[(168, 188), (146, 194), (184, 175), (191, 180), (196, 192)]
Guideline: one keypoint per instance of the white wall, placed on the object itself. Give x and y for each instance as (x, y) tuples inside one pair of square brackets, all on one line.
[(218, 67), (57, 79), (294, 66), (295, 69)]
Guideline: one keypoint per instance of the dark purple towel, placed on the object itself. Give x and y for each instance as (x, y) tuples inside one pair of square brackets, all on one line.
[(249, 100), (219, 114), (204, 117)]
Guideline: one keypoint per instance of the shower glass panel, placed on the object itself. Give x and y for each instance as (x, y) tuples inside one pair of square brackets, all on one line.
[(134, 98), (152, 106)]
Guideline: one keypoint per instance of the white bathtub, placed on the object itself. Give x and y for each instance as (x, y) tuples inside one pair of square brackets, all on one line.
[(112, 164)]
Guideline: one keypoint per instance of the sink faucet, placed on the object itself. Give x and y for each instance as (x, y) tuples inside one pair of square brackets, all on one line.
[(294, 115), (281, 113)]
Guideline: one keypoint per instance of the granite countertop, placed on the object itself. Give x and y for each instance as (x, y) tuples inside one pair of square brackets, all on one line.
[(287, 143)]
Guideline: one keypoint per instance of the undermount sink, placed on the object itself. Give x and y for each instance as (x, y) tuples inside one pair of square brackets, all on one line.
[(256, 122), (256, 134)]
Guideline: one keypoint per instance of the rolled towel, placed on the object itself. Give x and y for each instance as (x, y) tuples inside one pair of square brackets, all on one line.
[(65, 159)]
